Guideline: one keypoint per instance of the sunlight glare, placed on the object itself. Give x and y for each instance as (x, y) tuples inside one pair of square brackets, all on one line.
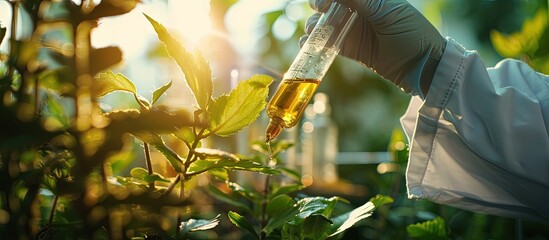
[(190, 18), (245, 24)]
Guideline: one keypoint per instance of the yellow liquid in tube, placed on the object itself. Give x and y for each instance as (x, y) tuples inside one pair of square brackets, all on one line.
[(313, 60), (288, 103)]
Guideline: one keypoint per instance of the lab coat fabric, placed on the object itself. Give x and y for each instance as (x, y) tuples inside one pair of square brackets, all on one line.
[(480, 140)]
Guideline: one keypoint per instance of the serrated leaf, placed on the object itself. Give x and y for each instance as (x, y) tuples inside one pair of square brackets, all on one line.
[(278, 204), (315, 205), (208, 153), (249, 194), (246, 165), (347, 220), (193, 225), (430, 230), (380, 200), (108, 82), (231, 113), (196, 69), (242, 165), (185, 134), (315, 227), (242, 223), (161, 90), (278, 220)]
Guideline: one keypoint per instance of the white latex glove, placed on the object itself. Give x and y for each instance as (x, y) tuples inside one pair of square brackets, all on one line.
[(391, 37)]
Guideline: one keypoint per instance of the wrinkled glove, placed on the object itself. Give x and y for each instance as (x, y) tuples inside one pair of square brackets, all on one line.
[(391, 37)]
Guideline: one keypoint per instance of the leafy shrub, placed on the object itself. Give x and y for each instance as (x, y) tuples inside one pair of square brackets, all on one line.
[(61, 154)]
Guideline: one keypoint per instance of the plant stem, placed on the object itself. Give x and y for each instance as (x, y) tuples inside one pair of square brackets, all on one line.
[(104, 178), (148, 162), (181, 194), (36, 110), (264, 204), (52, 211), (172, 185), (14, 16)]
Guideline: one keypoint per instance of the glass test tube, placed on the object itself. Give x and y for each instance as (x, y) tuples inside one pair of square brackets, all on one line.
[(308, 68)]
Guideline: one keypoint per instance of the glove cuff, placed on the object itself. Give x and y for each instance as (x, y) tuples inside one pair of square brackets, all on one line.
[(419, 79)]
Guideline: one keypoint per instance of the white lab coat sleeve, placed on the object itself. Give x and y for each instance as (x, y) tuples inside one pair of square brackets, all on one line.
[(480, 140)]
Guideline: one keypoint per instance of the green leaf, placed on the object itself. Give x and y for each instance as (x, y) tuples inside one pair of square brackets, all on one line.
[(108, 82), (208, 153), (277, 146), (380, 200), (291, 232), (119, 161), (278, 204), (242, 223), (143, 174), (315, 205), (185, 134), (193, 225), (139, 172), (196, 69), (278, 220), (315, 227), (161, 90), (295, 175), (224, 197), (231, 113), (347, 220), (227, 164), (430, 230), (246, 165), (523, 42), (247, 193)]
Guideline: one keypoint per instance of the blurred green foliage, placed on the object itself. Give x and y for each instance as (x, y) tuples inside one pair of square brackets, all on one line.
[(530, 44)]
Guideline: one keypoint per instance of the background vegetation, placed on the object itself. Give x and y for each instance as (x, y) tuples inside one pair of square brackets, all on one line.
[(81, 160)]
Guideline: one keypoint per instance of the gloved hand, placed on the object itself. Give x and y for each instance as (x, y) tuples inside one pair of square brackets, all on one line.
[(391, 37)]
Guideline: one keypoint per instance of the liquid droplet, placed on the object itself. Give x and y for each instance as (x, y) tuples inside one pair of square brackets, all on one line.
[(272, 161)]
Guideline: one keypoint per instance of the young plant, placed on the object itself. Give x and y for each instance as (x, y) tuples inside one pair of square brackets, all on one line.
[(222, 116), (57, 145), (277, 212)]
